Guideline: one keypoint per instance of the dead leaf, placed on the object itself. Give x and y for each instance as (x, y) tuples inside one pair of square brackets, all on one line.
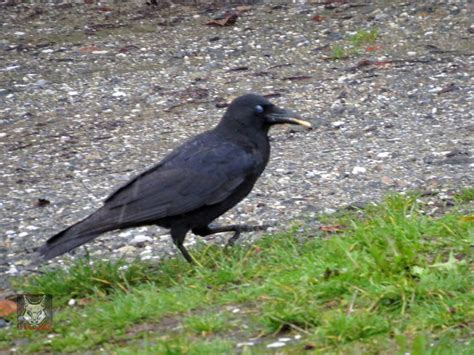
[(269, 96), (363, 63), (41, 202), (298, 77), (332, 228), (450, 87), (243, 8), (373, 48), (104, 9), (228, 20), (238, 69), (7, 307), (317, 18), (387, 180), (467, 218), (128, 48), (383, 63), (84, 301)]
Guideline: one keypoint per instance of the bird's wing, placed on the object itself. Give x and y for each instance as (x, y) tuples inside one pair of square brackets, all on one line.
[(196, 175)]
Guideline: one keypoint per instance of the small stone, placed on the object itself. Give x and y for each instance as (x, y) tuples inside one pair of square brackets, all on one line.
[(344, 78), (337, 107), (358, 170), (245, 343), (140, 240), (284, 340), (277, 344), (71, 302), (146, 252), (12, 270), (3, 323), (119, 94), (383, 155), (41, 83), (337, 124), (127, 249), (12, 67)]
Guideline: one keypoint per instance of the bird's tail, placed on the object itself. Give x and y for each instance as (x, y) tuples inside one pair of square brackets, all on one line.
[(74, 236)]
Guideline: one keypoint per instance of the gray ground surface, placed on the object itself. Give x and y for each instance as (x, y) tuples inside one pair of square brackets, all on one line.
[(89, 96)]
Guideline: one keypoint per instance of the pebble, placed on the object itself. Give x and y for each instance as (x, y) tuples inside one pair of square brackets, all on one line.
[(12, 270), (383, 155), (337, 107), (245, 343), (140, 240), (127, 249), (41, 83), (119, 94), (277, 344), (12, 67), (337, 124), (359, 170)]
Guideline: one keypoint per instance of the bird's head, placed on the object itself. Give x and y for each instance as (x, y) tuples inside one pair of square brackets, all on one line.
[(257, 113)]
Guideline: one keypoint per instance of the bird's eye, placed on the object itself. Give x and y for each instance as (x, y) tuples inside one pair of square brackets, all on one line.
[(259, 109)]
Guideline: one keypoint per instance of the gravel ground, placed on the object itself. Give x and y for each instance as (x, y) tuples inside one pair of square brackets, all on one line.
[(91, 95)]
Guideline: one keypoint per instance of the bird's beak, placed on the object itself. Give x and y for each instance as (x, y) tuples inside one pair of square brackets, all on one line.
[(278, 116)]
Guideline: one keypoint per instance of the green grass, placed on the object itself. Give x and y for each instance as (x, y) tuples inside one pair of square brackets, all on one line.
[(393, 281), (364, 37), (339, 52), (465, 195), (354, 44)]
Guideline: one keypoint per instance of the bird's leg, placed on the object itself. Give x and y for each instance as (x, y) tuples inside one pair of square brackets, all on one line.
[(178, 235), (236, 228)]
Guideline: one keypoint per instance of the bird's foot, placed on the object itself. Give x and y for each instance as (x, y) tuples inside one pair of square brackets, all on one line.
[(244, 228)]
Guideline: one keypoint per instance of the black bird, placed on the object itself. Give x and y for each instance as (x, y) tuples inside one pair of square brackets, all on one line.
[(196, 183)]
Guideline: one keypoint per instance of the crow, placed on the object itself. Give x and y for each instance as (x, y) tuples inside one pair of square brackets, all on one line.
[(196, 183)]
